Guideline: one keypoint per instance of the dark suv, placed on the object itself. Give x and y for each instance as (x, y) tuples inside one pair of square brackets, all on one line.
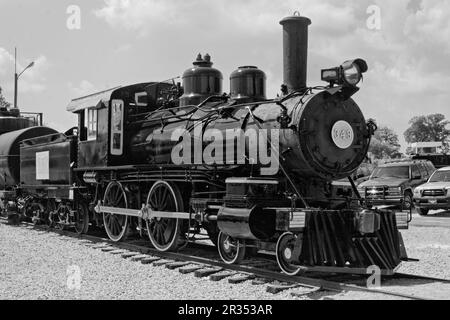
[(344, 188), (393, 183)]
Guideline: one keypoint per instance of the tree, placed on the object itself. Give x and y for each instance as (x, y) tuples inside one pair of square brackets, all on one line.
[(431, 128), (3, 102), (385, 144)]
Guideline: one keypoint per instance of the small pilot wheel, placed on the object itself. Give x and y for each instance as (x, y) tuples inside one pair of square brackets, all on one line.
[(232, 251), (115, 225), (81, 218), (164, 233), (284, 252)]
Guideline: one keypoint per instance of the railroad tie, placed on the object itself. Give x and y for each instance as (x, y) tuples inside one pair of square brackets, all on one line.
[(150, 260), (221, 275), (241, 278), (86, 242), (91, 245), (176, 265), (117, 252), (206, 272), (108, 249), (260, 281), (275, 288), (139, 257), (162, 262), (128, 255), (100, 246), (305, 292), (190, 269)]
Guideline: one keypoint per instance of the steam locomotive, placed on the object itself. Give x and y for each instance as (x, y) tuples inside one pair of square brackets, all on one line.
[(176, 161)]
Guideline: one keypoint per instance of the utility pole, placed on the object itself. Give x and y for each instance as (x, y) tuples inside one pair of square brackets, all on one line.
[(15, 78)]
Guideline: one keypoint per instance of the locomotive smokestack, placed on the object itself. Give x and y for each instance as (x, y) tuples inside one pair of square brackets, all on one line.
[(295, 51)]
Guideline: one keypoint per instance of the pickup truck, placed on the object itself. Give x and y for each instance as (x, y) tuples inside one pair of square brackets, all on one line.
[(393, 183), (435, 194)]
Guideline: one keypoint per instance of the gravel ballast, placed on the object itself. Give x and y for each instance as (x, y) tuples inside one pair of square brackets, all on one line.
[(35, 265), (40, 265)]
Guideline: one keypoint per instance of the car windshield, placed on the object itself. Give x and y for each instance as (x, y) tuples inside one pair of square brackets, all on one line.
[(391, 172), (440, 176)]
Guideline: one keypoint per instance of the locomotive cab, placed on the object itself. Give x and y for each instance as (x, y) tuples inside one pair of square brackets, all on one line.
[(104, 121)]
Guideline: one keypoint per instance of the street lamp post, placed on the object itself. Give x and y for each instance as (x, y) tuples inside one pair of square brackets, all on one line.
[(16, 76)]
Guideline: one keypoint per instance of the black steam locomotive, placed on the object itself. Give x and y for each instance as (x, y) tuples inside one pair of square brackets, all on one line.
[(174, 161)]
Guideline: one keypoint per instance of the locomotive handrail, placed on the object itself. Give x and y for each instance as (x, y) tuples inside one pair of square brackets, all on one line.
[(195, 108)]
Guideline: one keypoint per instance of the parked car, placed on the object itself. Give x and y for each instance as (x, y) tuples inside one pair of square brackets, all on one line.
[(435, 194), (393, 183)]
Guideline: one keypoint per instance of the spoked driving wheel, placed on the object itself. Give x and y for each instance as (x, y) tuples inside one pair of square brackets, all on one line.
[(284, 252), (232, 251), (115, 225), (81, 218), (164, 233)]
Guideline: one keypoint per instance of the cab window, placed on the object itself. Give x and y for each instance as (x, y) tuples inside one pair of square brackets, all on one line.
[(90, 122), (117, 110)]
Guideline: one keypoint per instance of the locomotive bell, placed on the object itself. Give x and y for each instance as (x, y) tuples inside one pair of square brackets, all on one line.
[(295, 51), (248, 84), (201, 82)]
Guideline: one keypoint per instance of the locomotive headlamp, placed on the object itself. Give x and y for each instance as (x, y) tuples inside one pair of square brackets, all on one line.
[(350, 73)]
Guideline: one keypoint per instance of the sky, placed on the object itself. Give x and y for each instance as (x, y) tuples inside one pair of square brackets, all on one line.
[(119, 42)]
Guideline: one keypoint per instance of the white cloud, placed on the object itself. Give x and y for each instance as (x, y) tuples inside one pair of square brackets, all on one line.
[(408, 57), (32, 81), (251, 16), (136, 14), (6, 60), (82, 89), (430, 25)]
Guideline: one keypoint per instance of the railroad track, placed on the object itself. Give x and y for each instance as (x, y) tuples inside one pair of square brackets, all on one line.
[(203, 261)]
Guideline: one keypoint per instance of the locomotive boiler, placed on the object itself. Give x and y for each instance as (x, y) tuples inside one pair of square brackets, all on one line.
[(175, 161)]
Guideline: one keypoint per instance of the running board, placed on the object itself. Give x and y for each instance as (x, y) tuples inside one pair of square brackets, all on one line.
[(145, 213)]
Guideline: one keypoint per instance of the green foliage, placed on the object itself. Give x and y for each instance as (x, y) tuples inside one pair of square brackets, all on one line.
[(431, 128), (3, 102), (385, 144)]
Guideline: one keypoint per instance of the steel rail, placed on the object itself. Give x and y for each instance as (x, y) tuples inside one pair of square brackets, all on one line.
[(301, 281)]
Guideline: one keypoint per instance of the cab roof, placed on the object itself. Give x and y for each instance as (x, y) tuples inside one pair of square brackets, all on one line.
[(102, 98), (94, 100)]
